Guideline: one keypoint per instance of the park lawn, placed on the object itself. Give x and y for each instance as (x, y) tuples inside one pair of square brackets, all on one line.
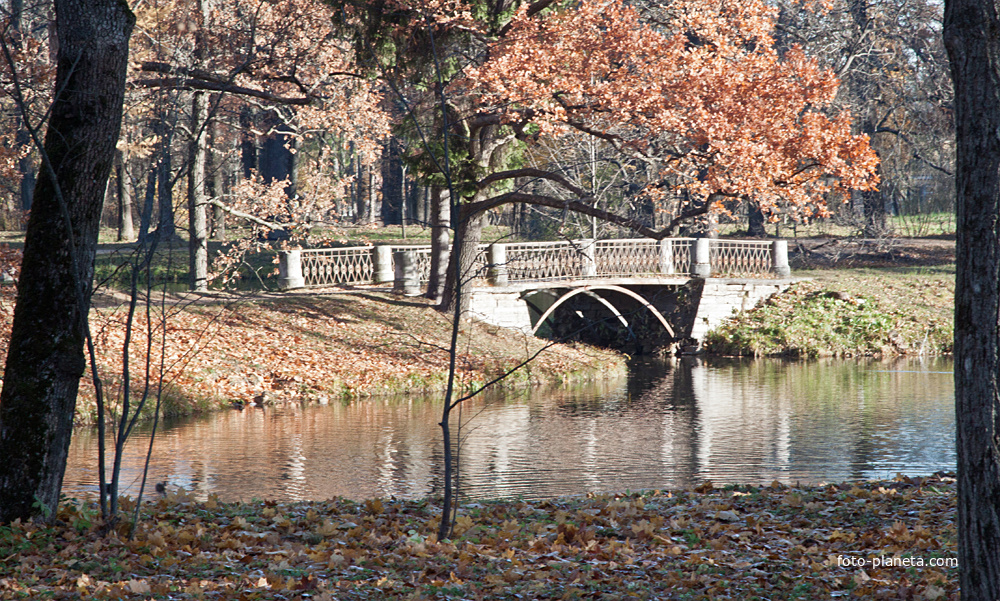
[(740, 542)]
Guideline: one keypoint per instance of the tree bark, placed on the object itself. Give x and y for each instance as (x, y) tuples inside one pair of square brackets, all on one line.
[(873, 204), (755, 220), (217, 180), (165, 189), (197, 206), (197, 163), (440, 224), (468, 235), (393, 185), (972, 37), (123, 183), (45, 359), (248, 144)]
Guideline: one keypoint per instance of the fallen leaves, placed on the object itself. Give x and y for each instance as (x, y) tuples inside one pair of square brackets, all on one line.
[(322, 348), (734, 542)]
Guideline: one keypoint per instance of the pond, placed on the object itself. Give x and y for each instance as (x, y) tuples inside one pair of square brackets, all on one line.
[(671, 423)]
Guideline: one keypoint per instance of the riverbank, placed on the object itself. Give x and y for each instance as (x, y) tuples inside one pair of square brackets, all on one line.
[(858, 540), (871, 310), (323, 348)]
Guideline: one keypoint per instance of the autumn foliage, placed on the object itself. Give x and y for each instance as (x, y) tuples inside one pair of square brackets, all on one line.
[(696, 89)]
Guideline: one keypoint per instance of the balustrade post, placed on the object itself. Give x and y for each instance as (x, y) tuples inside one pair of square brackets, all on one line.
[(779, 258), (666, 256), (290, 270), (701, 262), (588, 269), (497, 269), (383, 264), (407, 278)]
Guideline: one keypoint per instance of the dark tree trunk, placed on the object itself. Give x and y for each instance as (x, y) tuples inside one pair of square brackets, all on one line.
[(277, 161), (165, 191), (294, 162), (146, 215), (45, 359), (755, 220), (367, 193), (972, 37), (440, 219), (393, 187), (123, 182), (876, 217), (248, 144)]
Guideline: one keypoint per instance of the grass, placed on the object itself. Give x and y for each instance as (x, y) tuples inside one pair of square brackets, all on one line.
[(906, 226), (857, 312)]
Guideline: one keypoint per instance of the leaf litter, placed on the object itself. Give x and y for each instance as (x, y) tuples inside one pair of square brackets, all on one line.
[(737, 542)]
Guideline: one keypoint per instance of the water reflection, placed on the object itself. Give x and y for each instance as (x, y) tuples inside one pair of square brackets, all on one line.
[(671, 424)]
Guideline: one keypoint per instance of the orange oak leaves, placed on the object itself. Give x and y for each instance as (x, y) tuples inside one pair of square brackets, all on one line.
[(697, 89)]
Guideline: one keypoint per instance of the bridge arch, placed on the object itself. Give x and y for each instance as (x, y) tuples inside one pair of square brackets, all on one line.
[(590, 290)]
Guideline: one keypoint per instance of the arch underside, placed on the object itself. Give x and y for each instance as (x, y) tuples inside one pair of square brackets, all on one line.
[(590, 291)]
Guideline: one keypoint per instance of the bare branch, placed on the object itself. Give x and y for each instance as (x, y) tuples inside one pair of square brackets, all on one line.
[(199, 84), (237, 213)]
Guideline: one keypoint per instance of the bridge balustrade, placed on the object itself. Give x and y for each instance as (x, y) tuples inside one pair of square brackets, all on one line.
[(500, 264)]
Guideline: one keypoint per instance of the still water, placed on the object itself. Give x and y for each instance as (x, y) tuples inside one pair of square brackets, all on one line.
[(672, 423)]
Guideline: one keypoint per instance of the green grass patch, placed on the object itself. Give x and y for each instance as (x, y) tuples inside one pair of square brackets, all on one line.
[(873, 312)]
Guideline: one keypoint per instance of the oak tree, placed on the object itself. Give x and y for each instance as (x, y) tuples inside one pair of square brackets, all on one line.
[(972, 36), (45, 359)]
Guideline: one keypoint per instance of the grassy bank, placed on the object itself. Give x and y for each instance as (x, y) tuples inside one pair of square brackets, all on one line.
[(741, 542), (856, 312), (324, 348)]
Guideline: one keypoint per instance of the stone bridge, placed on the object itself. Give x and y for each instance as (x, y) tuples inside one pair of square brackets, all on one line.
[(609, 292)]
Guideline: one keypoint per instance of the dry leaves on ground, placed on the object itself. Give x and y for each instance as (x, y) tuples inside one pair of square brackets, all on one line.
[(743, 542)]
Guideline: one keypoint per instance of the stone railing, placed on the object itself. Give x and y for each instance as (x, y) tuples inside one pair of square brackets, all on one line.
[(409, 266)]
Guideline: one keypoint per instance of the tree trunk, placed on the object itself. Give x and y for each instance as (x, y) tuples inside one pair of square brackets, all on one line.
[(146, 215), (197, 205), (468, 234), (755, 220), (248, 144), (126, 230), (972, 37), (876, 218), (218, 181), (165, 191), (440, 224), (393, 185), (361, 186), (45, 359)]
